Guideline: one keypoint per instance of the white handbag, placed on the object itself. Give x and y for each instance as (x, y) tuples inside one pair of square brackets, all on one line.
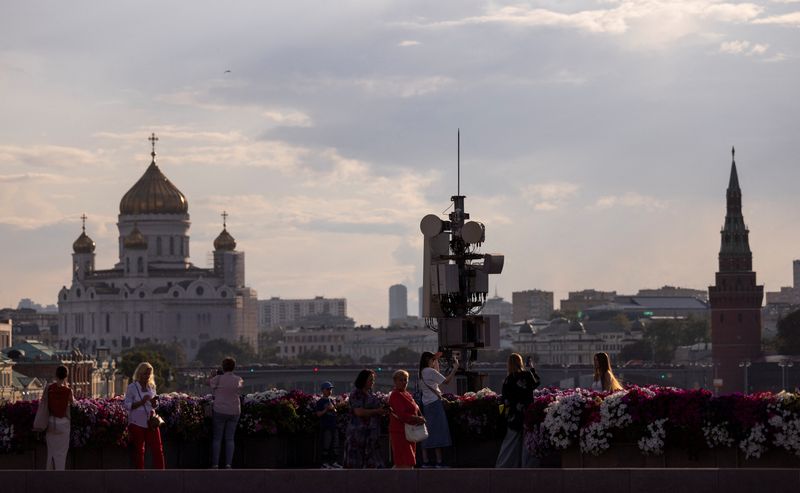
[(416, 433)]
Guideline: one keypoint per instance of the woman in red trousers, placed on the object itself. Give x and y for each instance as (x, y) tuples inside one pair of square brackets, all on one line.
[(141, 401), (404, 410)]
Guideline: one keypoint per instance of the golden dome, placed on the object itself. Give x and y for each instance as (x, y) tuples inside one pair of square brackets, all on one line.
[(153, 194), (225, 241), (83, 244), (135, 240)]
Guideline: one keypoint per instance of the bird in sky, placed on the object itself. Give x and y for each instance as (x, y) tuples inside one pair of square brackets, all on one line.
[(227, 72)]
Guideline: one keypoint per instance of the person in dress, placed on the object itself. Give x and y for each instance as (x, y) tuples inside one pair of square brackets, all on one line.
[(227, 407), (361, 444), (604, 378), (140, 401), (403, 411), (433, 408), (325, 409), (518, 390), (53, 416)]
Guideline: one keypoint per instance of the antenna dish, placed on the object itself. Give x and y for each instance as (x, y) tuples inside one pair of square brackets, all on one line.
[(473, 232), (431, 225)]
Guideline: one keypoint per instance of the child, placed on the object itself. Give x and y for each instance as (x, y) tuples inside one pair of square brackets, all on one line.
[(329, 433)]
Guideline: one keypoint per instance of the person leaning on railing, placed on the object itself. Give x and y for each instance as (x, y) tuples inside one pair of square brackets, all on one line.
[(227, 407)]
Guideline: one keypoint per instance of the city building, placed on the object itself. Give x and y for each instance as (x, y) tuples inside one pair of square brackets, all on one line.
[(315, 312), (577, 301), (154, 293), (362, 344), (530, 304), (5, 333), (6, 364), (398, 303), (674, 292), (36, 360), (735, 299), (32, 324), (636, 307), (498, 306), (565, 342)]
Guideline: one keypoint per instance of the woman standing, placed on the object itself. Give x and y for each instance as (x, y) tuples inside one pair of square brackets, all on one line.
[(53, 415), (227, 408), (140, 401), (432, 406), (361, 446), (604, 378), (517, 396), (404, 411)]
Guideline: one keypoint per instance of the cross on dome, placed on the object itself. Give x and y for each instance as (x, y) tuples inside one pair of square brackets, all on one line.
[(224, 219), (153, 139), (83, 220)]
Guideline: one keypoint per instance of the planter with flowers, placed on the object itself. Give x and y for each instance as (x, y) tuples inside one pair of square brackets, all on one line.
[(668, 427)]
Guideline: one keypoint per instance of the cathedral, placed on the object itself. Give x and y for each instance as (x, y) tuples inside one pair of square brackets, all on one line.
[(153, 293)]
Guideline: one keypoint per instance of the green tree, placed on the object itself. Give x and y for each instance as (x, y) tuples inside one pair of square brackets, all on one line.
[(171, 351), (214, 351), (401, 355), (665, 335), (641, 350), (268, 345), (788, 339), (162, 370)]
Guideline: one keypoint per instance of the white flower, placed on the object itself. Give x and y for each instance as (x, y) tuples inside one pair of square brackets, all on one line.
[(653, 443), (717, 435), (755, 443)]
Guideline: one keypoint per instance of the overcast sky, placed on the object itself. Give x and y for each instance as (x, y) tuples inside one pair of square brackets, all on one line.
[(595, 136)]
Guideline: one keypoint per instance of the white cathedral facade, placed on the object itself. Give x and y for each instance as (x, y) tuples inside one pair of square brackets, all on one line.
[(153, 293)]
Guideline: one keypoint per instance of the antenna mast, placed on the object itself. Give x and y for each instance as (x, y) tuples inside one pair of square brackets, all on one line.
[(458, 185)]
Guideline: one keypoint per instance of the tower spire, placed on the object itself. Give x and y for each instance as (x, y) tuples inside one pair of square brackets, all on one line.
[(224, 219), (153, 139), (83, 220), (733, 183)]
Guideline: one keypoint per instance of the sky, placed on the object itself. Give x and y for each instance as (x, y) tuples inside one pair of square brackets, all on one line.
[(595, 136)]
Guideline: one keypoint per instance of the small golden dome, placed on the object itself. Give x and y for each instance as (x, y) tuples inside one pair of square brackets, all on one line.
[(83, 244), (135, 240), (225, 241), (153, 194)]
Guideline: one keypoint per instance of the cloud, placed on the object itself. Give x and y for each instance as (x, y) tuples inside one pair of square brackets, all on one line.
[(629, 199), (549, 196), (48, 156), (790, 19), (408, 42), (743, 48), (41, 178), (403, 86), (653, 22)]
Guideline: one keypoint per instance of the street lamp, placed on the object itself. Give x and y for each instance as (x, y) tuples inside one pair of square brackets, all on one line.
[(783, 364), (746, 365)]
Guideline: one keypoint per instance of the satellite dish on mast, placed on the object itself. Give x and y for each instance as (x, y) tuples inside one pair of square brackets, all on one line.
[(431, 225)]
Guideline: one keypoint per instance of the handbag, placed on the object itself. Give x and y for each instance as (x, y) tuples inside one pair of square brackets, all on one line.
[(42, 418), (416, 433), (155, 421)]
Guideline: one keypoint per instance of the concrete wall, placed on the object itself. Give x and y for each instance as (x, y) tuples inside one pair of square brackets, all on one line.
[(392, 481)]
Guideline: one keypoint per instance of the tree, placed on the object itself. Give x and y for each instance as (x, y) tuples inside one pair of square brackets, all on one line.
[(162, 370), (171, 351), (214, 351), (641, 350), (665, 335), (788, 339), (401, 355), (268, 345)]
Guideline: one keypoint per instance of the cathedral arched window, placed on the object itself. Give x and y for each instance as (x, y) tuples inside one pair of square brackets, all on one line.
[(172, 245), (141, 322), (108, 323), (158, 245), (128, 265), (140, 264)]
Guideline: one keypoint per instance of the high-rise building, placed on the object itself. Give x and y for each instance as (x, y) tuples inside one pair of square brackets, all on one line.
[(577, 301), (735, 298), (154, 294), (533, 303), (314, 312), (796, 272), (398, 303)]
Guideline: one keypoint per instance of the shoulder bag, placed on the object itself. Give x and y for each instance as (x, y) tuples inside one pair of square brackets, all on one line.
[(42, 412), (155, 421)]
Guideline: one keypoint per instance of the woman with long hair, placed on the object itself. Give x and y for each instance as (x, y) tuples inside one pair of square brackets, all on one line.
[(604, 378), (361, 444), (140, 401), (226, 410), (404, 411), (432, 406), (518, 390), (53, 415)]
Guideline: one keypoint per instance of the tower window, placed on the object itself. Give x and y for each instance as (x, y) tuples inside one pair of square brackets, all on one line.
[(172, 245), (158, 245), (140, 265)]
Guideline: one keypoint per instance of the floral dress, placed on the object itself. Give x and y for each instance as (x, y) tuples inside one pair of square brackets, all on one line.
[(361, 444)]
